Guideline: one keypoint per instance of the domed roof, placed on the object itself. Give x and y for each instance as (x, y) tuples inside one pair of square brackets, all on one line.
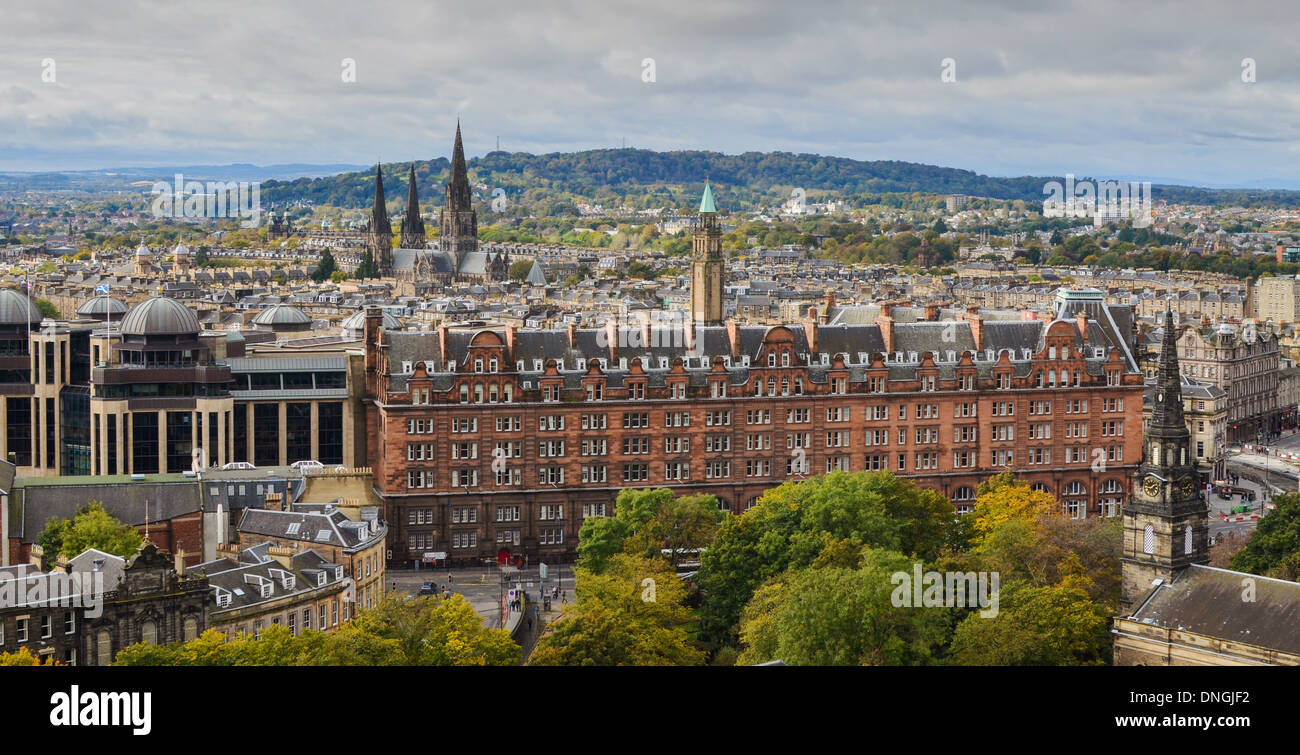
[(101, 306), (12, 306), (160, 316), (282, 314), (357, 321), (142, 250), (181, 249)]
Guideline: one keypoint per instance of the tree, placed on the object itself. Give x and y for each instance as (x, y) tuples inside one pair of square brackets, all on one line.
[(647, 522), (325, 268), (25, 657), (201, 258), (1003, 497), (367, 267), (1035, 626), (91, 527), (1276, 539), (834, 616), (520, 269), (396, 631), (631, 615), (47, 308), (790, 525)]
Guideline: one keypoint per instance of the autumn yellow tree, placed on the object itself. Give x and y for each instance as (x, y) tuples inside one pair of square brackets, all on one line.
[(1004, 498)]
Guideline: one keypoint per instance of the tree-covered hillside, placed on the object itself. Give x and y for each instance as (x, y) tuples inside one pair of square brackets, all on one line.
[(646, 178)]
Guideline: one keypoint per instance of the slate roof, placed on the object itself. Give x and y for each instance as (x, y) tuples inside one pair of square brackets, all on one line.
[(1207, 601)]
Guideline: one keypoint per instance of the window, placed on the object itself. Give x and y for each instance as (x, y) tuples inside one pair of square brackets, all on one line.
[(595, 473), (47, 630), (22, 625), (1149, 539), (69, 622)]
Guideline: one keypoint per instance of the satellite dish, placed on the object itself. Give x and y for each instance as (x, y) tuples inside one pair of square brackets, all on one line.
[(199, 460)]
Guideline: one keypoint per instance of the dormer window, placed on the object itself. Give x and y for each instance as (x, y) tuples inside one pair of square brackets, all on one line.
[(321, 578)]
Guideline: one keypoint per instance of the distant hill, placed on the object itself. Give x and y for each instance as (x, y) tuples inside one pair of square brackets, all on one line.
[(745, 180), (117, 179)]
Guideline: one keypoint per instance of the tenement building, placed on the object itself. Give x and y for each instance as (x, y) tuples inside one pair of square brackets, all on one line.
[(1243, 360), (496, 443)]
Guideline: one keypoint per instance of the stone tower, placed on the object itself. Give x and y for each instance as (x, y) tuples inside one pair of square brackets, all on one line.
[(707, 264), (379, 232), (412, 224), (458, 226), (1166, 522)]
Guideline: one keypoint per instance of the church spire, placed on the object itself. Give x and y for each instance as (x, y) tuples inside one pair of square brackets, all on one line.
[(458, 195), (1167, 413), (379, 237), (379, 213), (412, 224)]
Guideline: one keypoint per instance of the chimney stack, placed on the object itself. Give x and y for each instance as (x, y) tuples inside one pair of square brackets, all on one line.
[(510, 343), (885, 321), (733, 333), (573, 336), (976, 321)]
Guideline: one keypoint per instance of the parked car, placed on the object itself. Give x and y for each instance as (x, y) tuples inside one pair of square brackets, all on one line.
[(427, 589)]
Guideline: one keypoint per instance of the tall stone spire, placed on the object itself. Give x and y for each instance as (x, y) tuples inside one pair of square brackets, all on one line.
[(412, 225), (458, 194), (1167, 412), (379, 236), (1166, 520), (458, 225)]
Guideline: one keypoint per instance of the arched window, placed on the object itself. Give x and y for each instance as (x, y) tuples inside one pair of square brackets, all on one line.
[(1040, 487), (1076, 488), (103, 647), (785, 359), (509, 392), (1149, 539), (492, 364), (478, 364), (478, 393), (771, 386), (464, 394), (1187, 539), (189, 628), (149, 633)]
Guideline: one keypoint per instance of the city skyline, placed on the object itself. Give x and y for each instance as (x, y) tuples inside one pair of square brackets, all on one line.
[(1029, 97)]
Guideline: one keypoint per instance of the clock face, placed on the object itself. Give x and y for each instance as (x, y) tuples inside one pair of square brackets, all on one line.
[(1151, 486), (1189, 487)]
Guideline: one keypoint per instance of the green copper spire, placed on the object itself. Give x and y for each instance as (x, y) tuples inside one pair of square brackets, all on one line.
[(706, 202)]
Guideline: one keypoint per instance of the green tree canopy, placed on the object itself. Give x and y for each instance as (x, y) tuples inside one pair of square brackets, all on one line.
[(790, 525), (1276, 539), (91, 527), (399, 630)]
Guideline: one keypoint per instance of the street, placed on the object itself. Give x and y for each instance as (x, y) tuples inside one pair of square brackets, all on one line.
[(482, 586)]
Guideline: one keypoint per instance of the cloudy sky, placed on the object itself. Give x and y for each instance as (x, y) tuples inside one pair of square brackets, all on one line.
[(1149, 90)]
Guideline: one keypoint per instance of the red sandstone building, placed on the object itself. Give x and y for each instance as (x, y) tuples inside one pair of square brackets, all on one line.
[(497, 443)]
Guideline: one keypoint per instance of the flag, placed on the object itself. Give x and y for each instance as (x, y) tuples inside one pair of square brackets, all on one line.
[(101, 288)]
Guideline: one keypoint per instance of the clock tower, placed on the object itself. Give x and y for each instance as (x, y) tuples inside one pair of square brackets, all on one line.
[(1166, 521)]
